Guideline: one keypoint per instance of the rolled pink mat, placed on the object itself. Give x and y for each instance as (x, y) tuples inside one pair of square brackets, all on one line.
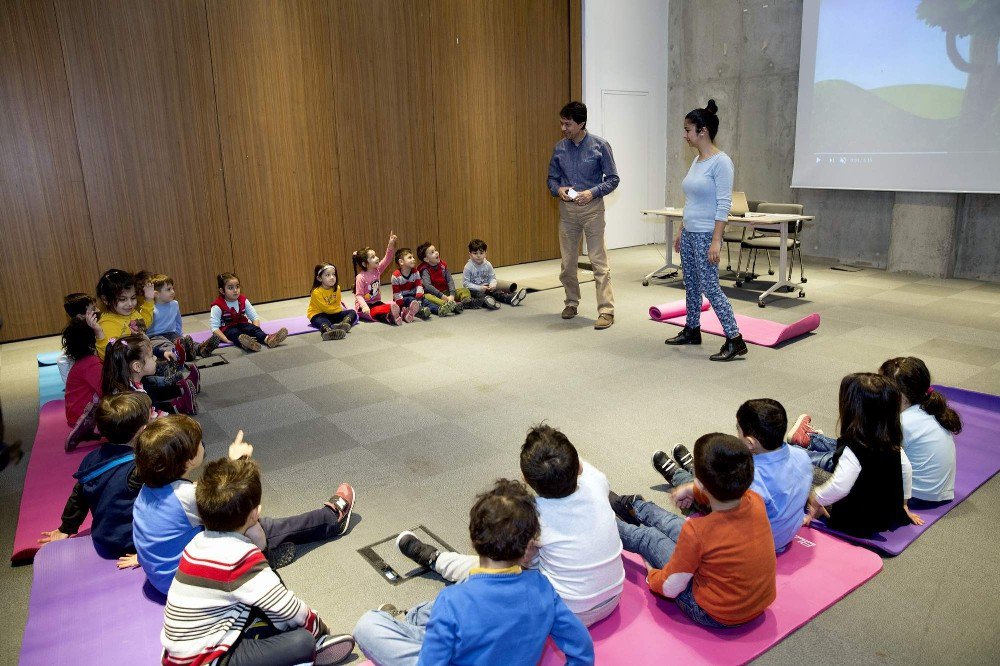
[(665, 311)]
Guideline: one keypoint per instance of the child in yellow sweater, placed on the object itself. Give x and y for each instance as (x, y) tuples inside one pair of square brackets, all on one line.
[(326, 310)]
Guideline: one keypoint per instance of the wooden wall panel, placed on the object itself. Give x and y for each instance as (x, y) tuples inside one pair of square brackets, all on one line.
[(385, 123), (46, 247), (501, 74), (274, 84), (140, 76)]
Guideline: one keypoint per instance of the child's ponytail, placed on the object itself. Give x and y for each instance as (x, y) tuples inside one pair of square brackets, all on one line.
[(119, 355), (914, 381)]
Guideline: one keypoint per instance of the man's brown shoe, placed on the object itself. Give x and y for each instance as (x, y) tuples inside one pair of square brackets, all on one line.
[(568, 312), (604, 321)]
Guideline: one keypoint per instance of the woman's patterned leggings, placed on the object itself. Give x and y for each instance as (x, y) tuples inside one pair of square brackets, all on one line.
[(702, 277)]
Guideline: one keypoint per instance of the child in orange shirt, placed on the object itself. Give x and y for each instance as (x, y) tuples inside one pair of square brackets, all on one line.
[(720, 567)]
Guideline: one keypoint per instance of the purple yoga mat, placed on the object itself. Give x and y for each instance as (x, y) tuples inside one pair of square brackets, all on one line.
[(84, 611), (977, 459), (295, 325)]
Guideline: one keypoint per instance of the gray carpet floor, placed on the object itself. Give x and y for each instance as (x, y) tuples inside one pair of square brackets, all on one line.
[(421, 418)]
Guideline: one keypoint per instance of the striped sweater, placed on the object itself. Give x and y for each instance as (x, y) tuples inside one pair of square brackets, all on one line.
[(222, 576), (404, 286)]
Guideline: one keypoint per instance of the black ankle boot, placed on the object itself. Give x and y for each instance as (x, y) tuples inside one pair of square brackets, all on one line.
[(687, 336), (734, 347)]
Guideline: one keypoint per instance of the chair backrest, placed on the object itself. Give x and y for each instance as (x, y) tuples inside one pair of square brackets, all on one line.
[(781, 209)]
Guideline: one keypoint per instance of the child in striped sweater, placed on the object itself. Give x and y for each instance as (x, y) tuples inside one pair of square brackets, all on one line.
[(368, 269), (408, 287), (225, 590)]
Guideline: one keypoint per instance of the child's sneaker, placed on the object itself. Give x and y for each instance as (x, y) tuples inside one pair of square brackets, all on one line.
[(623, 507), (490, 303), (85, 428), (448, 308), (424, 313), (194, 374), (249, 343), (342, 503), (798, 434), (344, 326), (276, 338), (422, 553), (333, 333), (683, 457), (518, 296), (208, 346), (665, 466), (333, 649)]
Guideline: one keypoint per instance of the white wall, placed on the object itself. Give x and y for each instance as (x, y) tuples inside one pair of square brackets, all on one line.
[(625, 90)]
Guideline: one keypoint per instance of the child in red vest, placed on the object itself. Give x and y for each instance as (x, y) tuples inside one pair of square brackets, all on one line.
[(234, 320)]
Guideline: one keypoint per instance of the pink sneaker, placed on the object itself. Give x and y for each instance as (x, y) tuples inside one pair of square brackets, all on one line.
[(342, 504), (798, 434)]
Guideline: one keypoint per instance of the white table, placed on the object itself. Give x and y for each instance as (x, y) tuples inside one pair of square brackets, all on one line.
[(774, 221)]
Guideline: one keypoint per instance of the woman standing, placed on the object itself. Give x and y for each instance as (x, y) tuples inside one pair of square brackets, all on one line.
[(708, 196)]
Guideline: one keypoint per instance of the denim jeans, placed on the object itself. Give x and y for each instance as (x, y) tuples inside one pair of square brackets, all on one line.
[(821, 450), (390, 641), (319, 320), (656, 538), (702, 277)]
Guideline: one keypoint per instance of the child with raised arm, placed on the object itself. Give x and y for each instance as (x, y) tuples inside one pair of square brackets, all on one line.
[(224, 583), (720, 567), (368, 269), (408, 287), (326, 311), (480, 278), (107, 482), (439, 285), (165, 518), (578, 548), (502, 614), (234, 320)]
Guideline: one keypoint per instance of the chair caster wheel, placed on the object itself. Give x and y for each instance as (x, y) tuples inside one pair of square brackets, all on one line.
[(645, 283)]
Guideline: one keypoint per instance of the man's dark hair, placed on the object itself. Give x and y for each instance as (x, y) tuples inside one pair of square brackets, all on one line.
[(119, 417), (226, 494), (723, 465), (575, 111), (503, 521), (765, 420), (165, 447), (76, 304), (477, 245), (549, 462)]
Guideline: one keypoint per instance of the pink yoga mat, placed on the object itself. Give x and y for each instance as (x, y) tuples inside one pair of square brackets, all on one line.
[(756, 331), (48, 481), (295, 325), (665, 311), (815, 572)]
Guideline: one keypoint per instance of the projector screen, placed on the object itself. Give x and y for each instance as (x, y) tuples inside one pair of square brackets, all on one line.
[(899, 95)]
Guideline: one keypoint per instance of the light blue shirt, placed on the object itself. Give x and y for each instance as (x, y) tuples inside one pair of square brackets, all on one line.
[(708, 192), (783, 478), (931, 450), (166, 319), (588, 165), (164, 520)]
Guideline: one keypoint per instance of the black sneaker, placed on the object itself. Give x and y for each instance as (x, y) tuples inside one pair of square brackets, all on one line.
[(683, 457), (622, 505), (665, 466), (422, 553)]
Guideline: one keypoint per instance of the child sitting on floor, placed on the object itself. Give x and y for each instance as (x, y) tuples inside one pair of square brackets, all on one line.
[(782, 475), (439, 285), (500, 615), (719, 568), (234, 320), (212, 610), (167, 320), (578, 549), (928, 427), (481, 280), (866, 492), (368, 269), (408, 287), (83, 308), (106, 481), (326, 310), (165, 519)]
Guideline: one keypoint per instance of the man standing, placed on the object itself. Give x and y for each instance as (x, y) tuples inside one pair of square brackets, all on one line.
[(581, 173)]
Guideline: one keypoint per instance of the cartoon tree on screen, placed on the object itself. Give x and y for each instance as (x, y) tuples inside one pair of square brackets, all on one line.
[(980, 20)]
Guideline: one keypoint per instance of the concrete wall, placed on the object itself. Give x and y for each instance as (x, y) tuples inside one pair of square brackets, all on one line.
[(746, 56)]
